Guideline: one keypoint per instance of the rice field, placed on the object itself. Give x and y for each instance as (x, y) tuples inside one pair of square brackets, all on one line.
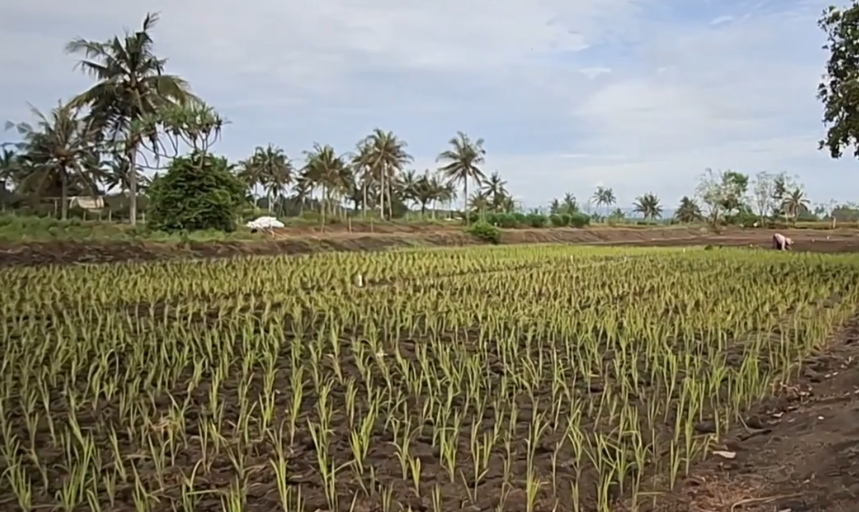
[(517, 378)]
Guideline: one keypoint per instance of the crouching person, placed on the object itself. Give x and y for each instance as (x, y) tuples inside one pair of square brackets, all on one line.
[(781, 242)]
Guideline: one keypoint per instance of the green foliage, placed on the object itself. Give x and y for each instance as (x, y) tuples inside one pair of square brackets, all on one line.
[(572, 220), (648, 205), (28, 228), (536, 220), (517, 220), (560, 220), (735, 186), (846, 213), (505, 220), (197, 193), (743, 218), (485, 231), (688, 211), (839, 88), (579, 220), (250, 213)]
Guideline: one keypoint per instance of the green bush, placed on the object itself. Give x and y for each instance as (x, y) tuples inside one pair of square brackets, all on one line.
[(503, 220), (579, 220), (485, 231), (251, 213), (559, 220), (746, 219), (536, 220), (516, 220), (197, 193), (520, 218)]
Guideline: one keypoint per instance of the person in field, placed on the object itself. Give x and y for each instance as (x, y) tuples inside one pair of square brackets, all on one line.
[(781, 242)]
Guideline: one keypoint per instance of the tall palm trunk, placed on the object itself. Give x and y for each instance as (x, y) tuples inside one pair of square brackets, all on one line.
[(322, 202), (382, 193), (465, 199), (64, 194), (390, 200), (132, 183)]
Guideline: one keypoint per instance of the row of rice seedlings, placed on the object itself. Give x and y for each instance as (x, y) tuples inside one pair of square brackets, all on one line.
[(155, 281)]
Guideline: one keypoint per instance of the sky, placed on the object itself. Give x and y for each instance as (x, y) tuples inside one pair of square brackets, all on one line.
[(637, 95)]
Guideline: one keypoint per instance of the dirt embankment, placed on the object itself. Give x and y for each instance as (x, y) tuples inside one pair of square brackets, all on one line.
[(303, 242)]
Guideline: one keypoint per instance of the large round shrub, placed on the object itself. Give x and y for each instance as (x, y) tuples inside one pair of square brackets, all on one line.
[(198, 192), (485, 231)]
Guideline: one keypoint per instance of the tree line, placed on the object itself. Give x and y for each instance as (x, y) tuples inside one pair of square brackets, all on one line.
[(137, 117)]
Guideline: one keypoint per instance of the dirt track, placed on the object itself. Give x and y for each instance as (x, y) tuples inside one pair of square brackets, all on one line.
[(303, 242)]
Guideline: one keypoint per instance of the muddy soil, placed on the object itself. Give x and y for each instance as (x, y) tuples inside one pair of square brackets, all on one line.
[(298, 242)]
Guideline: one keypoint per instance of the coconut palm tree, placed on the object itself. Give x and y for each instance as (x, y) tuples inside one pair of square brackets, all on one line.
[(495, 189), (425, 190), (479, 202), (115, 176), (463, 160), (408, 183), (444, 192), (58, 153), (688, 211), (604, 196), (130, 85), (363, 172), (328, 171), (271, 168), (449, 194), (381, 155), (353, 193), (794, 203), (648, 205), (596, 199), (10, 172), (10, 165), (508, 204), (249, 174), (569, 204), (302, 191)]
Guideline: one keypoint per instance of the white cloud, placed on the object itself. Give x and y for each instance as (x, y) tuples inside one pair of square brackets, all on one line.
[(594, 72), (635, 94), (720, 20)]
